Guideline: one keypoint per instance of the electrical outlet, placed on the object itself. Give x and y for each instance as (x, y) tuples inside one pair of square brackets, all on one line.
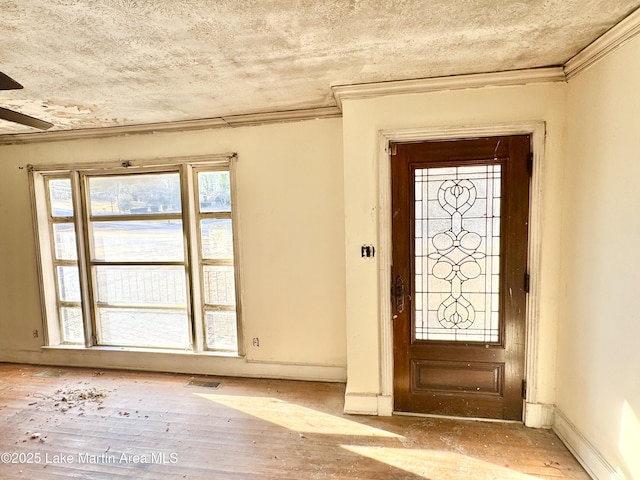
[(256, 342), (35, 334)]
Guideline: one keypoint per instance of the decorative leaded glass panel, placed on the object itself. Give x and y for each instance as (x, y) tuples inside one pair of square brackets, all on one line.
[(457, 253)]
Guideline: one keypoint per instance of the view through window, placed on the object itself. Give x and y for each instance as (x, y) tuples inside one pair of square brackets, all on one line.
[(154, 267)]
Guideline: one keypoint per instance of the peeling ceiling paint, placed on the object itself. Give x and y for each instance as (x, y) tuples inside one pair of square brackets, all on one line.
[(97, 63)]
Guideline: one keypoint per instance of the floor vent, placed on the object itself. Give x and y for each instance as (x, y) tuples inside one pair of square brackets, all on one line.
[(203, 382), (50, 373)]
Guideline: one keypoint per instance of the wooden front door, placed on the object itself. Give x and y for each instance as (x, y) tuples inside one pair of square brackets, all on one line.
[(459, 277)]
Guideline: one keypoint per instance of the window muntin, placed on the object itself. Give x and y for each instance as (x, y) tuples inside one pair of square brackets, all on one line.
[(217, 259), (62, 235), (136, 254)]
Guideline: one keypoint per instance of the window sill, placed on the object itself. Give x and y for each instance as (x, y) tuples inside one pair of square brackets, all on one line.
[(161, 351)]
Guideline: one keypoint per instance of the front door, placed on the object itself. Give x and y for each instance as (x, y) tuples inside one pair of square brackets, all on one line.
[(459, 277)]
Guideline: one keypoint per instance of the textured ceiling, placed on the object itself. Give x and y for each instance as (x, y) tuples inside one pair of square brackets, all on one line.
[(95, 63)]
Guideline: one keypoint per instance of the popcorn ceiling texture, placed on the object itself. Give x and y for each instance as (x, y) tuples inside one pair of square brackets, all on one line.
[(94, 63)]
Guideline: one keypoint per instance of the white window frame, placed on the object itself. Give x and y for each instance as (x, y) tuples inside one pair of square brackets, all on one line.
[(187, 167)]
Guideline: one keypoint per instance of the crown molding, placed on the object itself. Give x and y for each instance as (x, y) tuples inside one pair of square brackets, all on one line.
[(607, 43), (280, 117), (172, 127), (456, 82), (107, 132)]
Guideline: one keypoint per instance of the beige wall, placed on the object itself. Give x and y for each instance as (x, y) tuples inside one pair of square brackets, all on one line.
[(599, 347), (363, 119), (290, 193)]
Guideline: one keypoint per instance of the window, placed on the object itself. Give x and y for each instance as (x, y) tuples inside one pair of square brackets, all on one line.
[(216, 250), (140, 257)]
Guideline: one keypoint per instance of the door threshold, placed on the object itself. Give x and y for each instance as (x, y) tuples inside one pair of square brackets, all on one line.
[(452, 417)]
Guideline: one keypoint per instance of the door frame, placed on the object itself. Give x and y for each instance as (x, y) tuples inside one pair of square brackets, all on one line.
[(535, 414)]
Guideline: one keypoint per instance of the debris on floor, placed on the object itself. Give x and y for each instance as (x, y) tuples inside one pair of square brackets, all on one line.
[(64, 400)]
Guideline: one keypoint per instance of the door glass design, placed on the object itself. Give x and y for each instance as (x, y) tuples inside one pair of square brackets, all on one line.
[(457, 253)]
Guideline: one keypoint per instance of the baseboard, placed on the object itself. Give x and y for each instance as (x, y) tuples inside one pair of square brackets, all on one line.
[(585, 452), (361, 403), (176, 362), (385, 405), (368, 404), (539, 415)]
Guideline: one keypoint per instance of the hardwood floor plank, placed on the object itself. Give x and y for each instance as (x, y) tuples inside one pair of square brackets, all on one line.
[(114, 424)]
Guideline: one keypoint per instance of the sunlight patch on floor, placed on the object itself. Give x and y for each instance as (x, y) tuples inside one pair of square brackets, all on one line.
[(437, 465), (295, 417)]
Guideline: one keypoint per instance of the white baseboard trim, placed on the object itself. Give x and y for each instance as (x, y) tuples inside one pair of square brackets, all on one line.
[(539, 415), (176, 362), (368, 404), (361, 403), (585, 452), (385, 405)]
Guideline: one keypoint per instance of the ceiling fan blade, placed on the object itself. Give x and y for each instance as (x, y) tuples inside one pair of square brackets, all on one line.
[(8, 83), (10, 115)]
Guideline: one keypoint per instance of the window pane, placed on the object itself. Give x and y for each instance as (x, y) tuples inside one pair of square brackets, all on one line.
[(65, 241), (72, 328), (140, 240), (215, 191), (457, 250), (144, 328), (219, 286), (221, 330), (69, 284), (135, 194), (60, 197), (155, 285), (217, 239)]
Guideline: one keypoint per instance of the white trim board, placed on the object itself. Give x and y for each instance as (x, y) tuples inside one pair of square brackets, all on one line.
[(585, 452), (177, 362), (539, 415), (232, 121), (455, 82), (533, 418)]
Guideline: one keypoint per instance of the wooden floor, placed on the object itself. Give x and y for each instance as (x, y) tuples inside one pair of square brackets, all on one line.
[(83, 423)]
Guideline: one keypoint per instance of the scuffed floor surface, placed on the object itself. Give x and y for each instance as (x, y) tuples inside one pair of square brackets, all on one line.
[(104, 424)]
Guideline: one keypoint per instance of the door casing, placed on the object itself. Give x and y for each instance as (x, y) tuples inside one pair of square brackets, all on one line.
[(533, 415)]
